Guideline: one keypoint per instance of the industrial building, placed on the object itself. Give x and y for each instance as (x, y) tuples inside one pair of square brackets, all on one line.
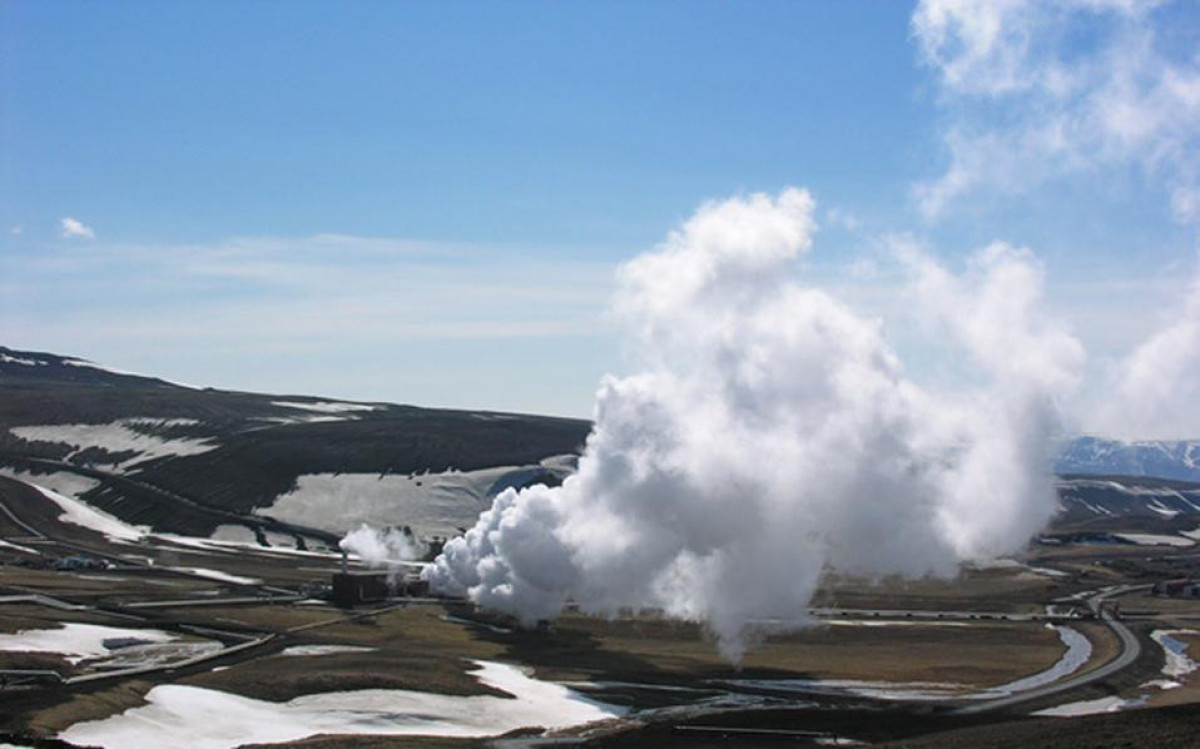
[(356, 587), (1182, 588), (353, 588)]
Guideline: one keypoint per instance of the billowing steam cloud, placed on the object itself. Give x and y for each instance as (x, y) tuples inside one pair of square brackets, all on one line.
[(1154, 391), (772, 435), (1035, 90), (378, 548)]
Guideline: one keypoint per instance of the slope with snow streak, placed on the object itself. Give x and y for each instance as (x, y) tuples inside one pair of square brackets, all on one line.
[(431, 503), (118, 438), (212, 719), (78, 513)]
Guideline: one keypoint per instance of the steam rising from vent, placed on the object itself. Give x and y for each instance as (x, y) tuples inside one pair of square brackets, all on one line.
[(378, 548), (771, 435)]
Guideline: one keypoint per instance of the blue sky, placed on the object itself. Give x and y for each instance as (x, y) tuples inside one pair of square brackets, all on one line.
[(424, 202)]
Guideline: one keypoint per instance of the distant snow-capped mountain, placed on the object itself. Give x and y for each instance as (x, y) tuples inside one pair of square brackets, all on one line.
[(1178, 460)]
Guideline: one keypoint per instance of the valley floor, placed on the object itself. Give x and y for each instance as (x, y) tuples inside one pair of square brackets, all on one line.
[(215, 640)]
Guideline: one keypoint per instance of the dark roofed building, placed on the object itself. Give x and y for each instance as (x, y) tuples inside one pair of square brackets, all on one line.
[(357, 587)]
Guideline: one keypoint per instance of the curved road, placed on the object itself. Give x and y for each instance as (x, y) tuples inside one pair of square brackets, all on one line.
[(1131, 648)]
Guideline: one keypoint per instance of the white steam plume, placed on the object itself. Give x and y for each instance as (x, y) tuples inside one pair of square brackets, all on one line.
[(1154, 391), (772, 435), (379, 548)]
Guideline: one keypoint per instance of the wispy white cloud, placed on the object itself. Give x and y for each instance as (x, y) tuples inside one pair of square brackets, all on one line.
[(1041, 88), (425, 321), (73, 228), (380, 284), (841, 218), (17, 230)]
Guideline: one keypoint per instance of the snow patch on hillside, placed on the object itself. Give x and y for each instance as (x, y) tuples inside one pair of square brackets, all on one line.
[(1154, 539), (117, 437), (68, 484), (212, 719), (23, 549), (6, 359), (315, 650), (78, 513), (217, 575), (1090, 707), (436, 503), (326, 407)]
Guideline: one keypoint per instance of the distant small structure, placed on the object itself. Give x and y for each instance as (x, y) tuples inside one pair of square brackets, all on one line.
[(77, 563), (1181, 588), (356, 587)]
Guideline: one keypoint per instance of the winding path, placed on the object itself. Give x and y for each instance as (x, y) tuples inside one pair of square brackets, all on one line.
[(1131, 648)]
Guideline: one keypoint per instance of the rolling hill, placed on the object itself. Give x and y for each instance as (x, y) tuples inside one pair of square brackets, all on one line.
[(191, 461), (298, 469)]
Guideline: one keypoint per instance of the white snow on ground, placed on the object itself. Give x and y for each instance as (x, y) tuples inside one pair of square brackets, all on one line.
[(880, 690), (241, 535), (1013, 564), (85, 516), (306, 650), (218, 720), (437, 503), (63, 482), (77, 642), (1154, 539), (1135, 491), (224, 577), (305, 418), (326, 407), (993, 564), (1079, 650), (1163, 684), (155, 654), (233, 532), (82, 514), (90, 365), (19, 360), (1158, 507), (154, 422), (1193, 534), (116, 437), (1048, 571), (110, 370), (890, 623), (18, 547), (240, 547), (1178, 663), (1090, 707)]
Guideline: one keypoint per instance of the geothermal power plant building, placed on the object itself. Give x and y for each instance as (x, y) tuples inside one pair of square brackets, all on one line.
[(356, 587), (352, 588)]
